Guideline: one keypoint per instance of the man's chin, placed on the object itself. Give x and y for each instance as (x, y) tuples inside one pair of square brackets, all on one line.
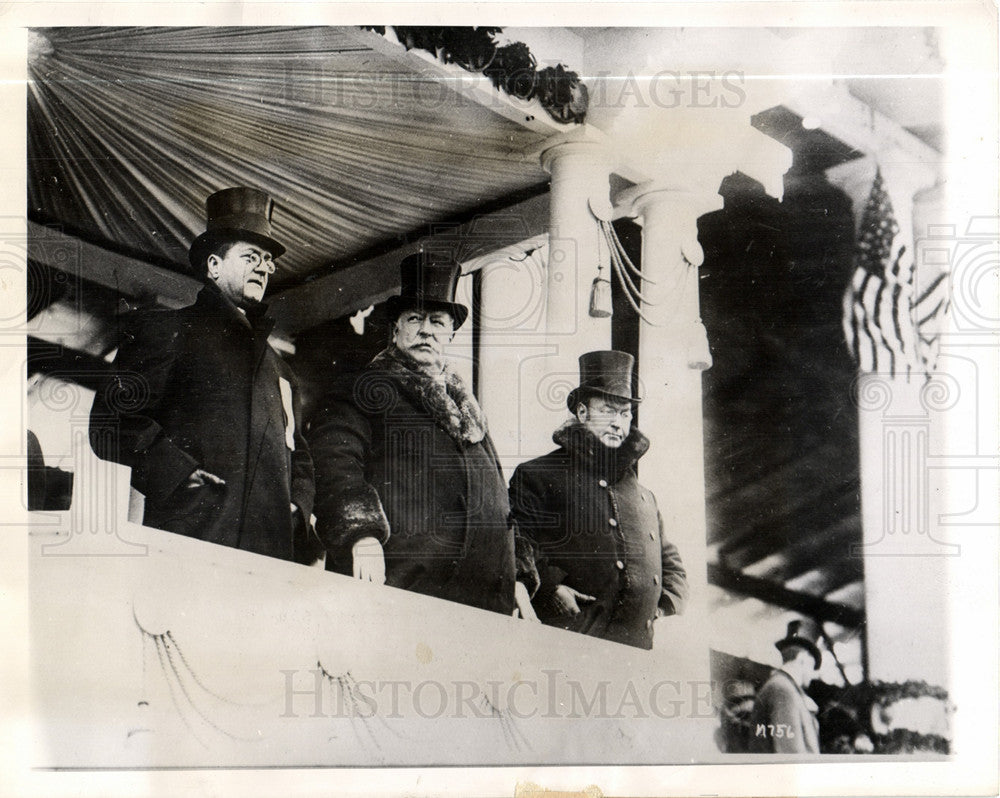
[(611, 441), (423, 358)]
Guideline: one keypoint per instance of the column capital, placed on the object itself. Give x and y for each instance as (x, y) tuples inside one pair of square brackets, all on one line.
[(638, 200), (904, 179), (585, 141)]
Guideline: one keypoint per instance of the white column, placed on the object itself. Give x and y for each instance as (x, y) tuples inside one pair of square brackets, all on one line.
[(672, 355), (580, 172)]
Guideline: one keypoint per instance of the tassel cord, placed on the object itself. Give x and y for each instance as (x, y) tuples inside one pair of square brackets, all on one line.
[(617, 245)]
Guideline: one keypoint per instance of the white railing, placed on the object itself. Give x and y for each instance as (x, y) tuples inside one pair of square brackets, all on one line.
[(153, 649)]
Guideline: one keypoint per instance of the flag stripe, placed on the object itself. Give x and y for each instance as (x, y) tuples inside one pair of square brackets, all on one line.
[(884, 327)]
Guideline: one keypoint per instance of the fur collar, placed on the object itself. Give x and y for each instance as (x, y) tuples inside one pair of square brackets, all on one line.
[(586, 449), (448, 401)]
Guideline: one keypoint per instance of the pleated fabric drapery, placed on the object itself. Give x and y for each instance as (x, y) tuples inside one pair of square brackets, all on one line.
[(129, 129)]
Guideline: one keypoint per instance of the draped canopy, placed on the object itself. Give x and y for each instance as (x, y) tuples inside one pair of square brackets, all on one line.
[(129, 129)]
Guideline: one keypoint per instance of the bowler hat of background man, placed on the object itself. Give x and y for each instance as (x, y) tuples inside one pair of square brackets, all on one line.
[(606, 373), (805, 633), (235, 214), (427, 282)]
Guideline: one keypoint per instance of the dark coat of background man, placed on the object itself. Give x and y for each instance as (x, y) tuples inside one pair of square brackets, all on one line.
[(410, 491), (784, 717), (202, 409), (605, 566)]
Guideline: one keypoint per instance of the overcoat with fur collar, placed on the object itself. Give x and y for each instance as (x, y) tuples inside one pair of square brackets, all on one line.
[(200, 387), (408, 460), (594, 528)]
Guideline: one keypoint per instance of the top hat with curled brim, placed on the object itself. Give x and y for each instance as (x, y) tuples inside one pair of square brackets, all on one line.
[(805, 633), (606, 373), (236, 214), (428, 282)]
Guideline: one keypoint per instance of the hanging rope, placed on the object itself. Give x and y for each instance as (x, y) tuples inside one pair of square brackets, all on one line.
[(621, 265), (617, 244)]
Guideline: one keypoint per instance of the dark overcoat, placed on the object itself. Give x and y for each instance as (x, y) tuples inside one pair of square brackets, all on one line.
[(200, 387), (407, 460), (594, 528)]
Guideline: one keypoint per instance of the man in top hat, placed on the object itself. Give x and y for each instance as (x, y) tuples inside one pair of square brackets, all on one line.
[(606, 567), (409, 487), (784, 717), (201, 407)]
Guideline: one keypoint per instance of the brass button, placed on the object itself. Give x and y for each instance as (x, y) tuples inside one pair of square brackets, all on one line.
[(603, 483), (656, 580), (612, 522), (649, 624), (620, 565)]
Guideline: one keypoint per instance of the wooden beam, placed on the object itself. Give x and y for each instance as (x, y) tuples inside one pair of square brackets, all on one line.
[(790, 517), (772, 593), (66, 363), (824, 550), (343, 292), (129, 276), (860, 126), (372, 281)]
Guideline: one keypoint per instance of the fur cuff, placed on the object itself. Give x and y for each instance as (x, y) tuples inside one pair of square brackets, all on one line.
[(356, 517)]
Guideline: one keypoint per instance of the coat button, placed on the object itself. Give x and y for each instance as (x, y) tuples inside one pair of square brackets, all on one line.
[(649, 624), (652, 536), (612, 522), (619, 565), (603, 483), (656, 579)]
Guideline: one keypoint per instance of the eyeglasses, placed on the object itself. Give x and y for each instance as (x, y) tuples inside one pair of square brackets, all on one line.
[(255, 259)]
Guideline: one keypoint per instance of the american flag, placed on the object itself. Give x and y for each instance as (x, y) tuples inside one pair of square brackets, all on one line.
[(888, 326)]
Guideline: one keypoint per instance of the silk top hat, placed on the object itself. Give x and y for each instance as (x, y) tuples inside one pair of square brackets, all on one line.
[(427, 282), (236, 214), (604, 373), (804, 632)]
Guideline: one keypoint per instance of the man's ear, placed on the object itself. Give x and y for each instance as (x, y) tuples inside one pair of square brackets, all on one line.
[(581, 411), (212, 266)]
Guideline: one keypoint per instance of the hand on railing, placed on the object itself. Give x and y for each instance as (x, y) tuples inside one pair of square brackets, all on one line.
[(369, 560)]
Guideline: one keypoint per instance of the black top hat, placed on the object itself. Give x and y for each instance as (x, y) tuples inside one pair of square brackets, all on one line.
[(804, 632), (236, 214), (427, 282), (604, 373)]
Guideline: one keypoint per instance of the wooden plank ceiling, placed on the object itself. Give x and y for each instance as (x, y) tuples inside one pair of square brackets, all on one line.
[(130, 129)]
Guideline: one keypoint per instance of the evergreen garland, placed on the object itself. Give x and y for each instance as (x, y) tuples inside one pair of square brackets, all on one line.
[(511, 68)]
